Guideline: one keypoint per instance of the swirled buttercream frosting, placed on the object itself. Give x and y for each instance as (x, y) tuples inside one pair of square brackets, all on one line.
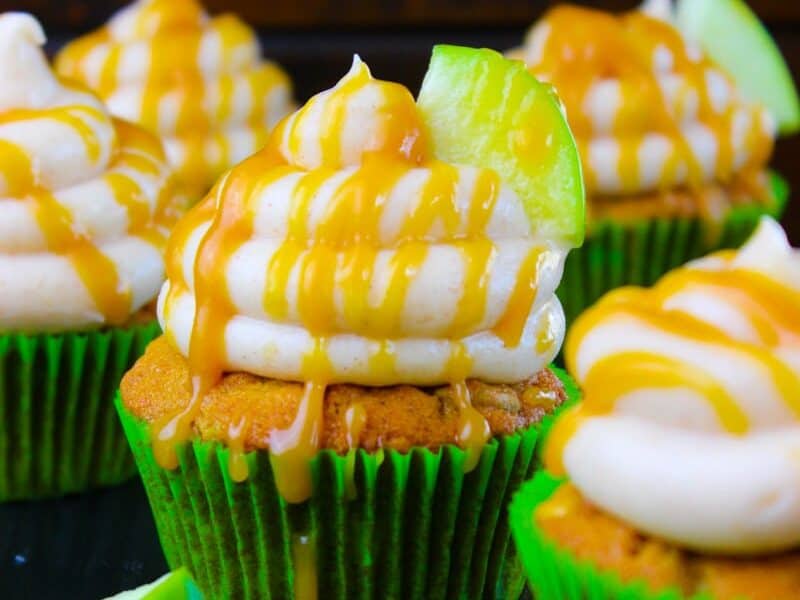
[(690, 424), (345, 251), (649, 111), (85, 200), (199, 82)]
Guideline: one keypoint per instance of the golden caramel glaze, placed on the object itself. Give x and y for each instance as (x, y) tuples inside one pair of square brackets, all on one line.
[(648, 110), (592, 535), (397, 417)]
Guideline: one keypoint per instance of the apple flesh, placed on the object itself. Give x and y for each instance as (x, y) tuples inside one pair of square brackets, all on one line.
[(177, 585), (733, 37), (484, 110)]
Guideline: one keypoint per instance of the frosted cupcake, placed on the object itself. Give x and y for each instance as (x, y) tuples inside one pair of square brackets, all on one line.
[(199, 82), (86, 203), (682, 457), (358, 326), (675, 144)]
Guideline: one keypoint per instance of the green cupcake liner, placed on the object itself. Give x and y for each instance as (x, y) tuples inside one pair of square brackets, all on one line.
[(616, 254), (417, 528), (554, 573), (59, 432)]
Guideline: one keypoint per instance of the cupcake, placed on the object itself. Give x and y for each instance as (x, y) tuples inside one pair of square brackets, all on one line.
[(86, 206), (682, 458), (358, 322), (674, 140), (198, 82)]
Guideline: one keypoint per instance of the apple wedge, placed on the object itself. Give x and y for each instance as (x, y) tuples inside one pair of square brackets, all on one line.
[(484, 110), (733, 37), (177, 585)]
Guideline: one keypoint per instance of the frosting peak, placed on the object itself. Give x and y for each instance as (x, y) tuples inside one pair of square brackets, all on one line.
[(358, 116), (770, 254), (23, 63), (695, 382), (85, 200)]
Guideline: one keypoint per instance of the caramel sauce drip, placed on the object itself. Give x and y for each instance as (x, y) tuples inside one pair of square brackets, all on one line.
[(562, 503), (292, 449), (355, 418), (96, 271), (231, 225), (473, 431), (509, 327), (304, 560), (585, 46), (332, 261), (237, 461), (772, 310)]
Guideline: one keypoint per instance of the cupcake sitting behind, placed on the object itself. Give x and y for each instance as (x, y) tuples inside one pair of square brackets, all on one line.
[(197, 81), (675, 155), (87, 203)]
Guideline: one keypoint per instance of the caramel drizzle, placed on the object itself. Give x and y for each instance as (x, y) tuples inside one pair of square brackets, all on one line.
[(304, 561), (235, 440), (232, 223), (96, 271), (772, 309), (472, 430), (585, 46), (333, 260)]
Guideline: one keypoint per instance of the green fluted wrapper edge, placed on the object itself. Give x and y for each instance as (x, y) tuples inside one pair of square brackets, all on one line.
[(417, 528), (616, 254), (59, 432), (554, 573)]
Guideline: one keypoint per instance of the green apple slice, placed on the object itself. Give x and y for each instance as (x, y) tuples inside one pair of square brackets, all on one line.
[(177, 585), (484, 110), (733, 37)]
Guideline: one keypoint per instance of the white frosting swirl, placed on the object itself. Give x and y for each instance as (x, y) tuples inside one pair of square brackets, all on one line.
[(404, 265), (85, 203), (690, 428), (197, 81), (648, 110)]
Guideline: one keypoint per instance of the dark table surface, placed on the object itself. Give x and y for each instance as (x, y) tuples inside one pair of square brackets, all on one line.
[(82, 547)]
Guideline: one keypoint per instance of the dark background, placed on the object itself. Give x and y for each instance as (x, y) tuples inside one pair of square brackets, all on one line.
[(315, 39), (97, 544)]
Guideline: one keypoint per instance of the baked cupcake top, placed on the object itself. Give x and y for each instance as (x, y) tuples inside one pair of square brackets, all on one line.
[(345, 251), (648, 109), (197, 81), (86, 200), (690, 424)]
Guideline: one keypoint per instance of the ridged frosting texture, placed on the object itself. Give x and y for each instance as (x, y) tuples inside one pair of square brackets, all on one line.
[(690, 424), (198, 81), (85, 200), (351, 236), (649, 111)]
